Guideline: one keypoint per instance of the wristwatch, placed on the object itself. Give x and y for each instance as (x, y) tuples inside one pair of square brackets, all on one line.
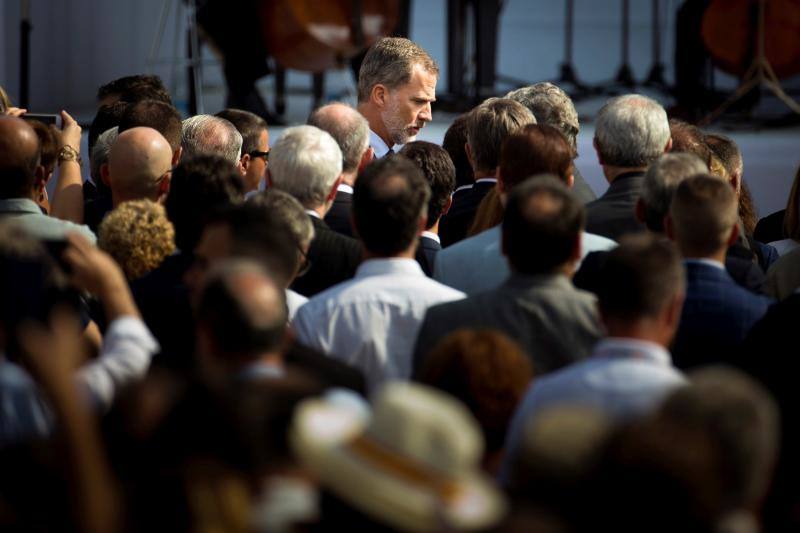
[(68, 153)]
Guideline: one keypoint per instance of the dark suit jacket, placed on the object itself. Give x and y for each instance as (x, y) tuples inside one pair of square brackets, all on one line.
[(338, 218), (334, 258), (716, 317), (770, 228), (614, 214), (581, 189), (744, 272), (456, 222), (769, 354), (163, 299), (551, 320), (426, 254)]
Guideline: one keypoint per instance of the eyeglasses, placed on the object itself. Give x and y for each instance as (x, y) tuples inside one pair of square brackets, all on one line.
[(306, 265), (259, 153)]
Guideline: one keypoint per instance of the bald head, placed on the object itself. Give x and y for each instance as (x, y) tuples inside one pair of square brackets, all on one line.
[(138, 165), (19, 158), (348, 128)]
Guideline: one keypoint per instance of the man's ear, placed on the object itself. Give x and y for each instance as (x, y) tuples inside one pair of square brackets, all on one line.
[(366, 158), (672, 314), (334, 189), (668, 147), (176, 156), (245, 162), (40, 177), (379, 95), (640, 210), (597, 151), (104, 175), (735, 180), (570, 181), (163, 186), (242, 170), (448, 205)]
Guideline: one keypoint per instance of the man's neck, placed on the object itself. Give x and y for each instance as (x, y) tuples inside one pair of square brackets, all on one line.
[(611, 173), (349, 178), (718, 256), (643, 329), (408, 253), (435, 227), (480, 174), (375, 121)]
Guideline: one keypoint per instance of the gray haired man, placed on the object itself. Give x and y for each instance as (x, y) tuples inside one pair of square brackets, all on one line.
[(631, 132), (210, 135), (552, 106), (306, 162), (396, 86), (350, 130)]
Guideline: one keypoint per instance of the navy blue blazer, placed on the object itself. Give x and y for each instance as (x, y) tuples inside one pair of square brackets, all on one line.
[(716, 317), (456, 223), (426, 254)]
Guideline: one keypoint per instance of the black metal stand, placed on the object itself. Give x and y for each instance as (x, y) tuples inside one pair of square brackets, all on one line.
[(567, 69), (25, 28), (655, 78)]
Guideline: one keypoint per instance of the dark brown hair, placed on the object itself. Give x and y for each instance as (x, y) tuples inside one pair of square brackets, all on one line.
[(534, 149)]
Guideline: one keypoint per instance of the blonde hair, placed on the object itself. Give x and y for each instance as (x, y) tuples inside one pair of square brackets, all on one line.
[(138, 236)]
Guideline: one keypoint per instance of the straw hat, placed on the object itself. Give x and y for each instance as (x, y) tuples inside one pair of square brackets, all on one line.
[(414, 466)]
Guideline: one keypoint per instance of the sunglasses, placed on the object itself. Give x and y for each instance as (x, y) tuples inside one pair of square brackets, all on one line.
[(259, 153)]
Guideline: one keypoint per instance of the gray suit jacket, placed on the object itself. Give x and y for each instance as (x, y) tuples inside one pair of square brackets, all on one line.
[(614, 214), (555, 323)]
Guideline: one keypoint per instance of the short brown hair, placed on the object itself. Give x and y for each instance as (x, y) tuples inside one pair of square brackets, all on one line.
[(138, 236), (484, 369), (488, 126), (390, 62), (703, 212), (161, 116), (639, 277), (534, 149), (438, 169), (49, 141)]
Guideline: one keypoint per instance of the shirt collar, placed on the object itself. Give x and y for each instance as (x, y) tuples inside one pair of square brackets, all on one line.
[(260, 370), (632, 349), (378, 145), (488, 179), (432, 236), (343, 187), (704, 261), (313, 213), (390, 265), (19, 205)]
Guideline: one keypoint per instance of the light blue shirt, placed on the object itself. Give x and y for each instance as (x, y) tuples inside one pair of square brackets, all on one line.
[(622, 379), (371, 322), (477, 264), (25, 213), (378, 145)]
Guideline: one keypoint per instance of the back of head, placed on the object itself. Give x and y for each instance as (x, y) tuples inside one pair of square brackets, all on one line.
[(198, 187), (542, 226), (639, 278), (438, 169), (488, 126), (49, 140), (742, 418), (20, 155), (138, 236), (689, 138), (484, 369), (348, 128), (552, 106), (107, 117), (703, 213), (631, 131), (389, 199), (285, 207), (727, 151), (210, 135), (100, 152), (531, 150), (305, 162), (262, 236), (248, 124), (662, 178), (389, 62), (138, 161), (244, 310), (132, 89), (454, 140), (160, 116)]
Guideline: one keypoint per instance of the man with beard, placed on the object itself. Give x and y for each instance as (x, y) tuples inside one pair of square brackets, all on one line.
[(396, 86)]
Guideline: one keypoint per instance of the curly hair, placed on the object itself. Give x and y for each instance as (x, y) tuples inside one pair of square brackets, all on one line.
[(138, 236)]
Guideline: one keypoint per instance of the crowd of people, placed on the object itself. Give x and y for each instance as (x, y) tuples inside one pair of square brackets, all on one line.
[(350, 329)]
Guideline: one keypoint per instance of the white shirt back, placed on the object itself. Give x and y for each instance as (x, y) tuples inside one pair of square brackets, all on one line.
[(371, 322)]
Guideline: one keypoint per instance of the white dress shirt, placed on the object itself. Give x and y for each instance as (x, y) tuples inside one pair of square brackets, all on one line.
[(477, 263), (371, 322), (294, 301), (378, 145), (621, 379)]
